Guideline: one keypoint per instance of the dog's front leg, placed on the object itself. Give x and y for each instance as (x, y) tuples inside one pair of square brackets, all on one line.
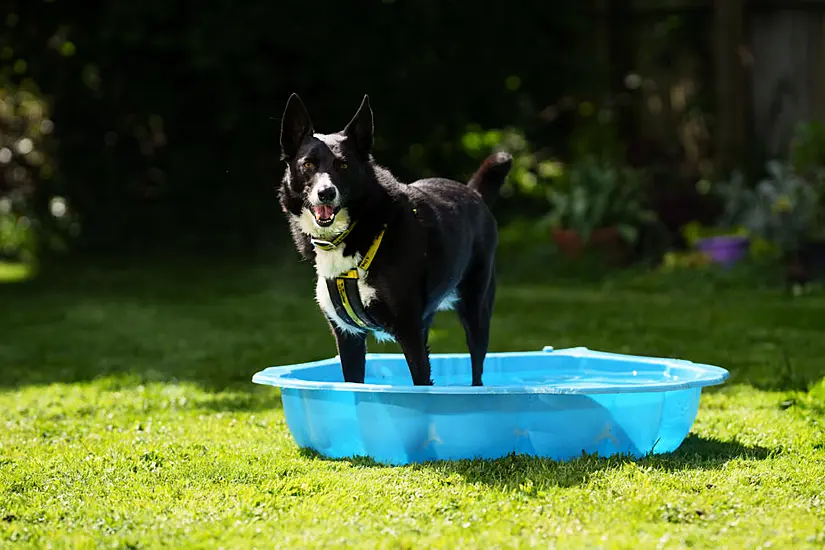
[(352, 348), (413, 342)]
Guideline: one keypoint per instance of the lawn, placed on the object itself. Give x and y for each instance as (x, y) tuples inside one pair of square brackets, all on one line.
[(129, 421)]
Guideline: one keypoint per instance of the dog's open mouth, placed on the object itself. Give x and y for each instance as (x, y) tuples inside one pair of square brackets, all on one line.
[(324, 214)]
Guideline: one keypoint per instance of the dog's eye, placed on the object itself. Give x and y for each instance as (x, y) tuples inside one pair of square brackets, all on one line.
[(307, 165), (344, 165)]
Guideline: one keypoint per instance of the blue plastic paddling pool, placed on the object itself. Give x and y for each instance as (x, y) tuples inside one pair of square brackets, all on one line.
[(554, 404)]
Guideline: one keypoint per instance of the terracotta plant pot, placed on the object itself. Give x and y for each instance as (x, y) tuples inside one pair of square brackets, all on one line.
[(606, 240)]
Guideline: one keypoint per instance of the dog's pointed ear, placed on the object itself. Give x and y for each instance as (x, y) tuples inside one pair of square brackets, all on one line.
[(360, 128), (295, 125)]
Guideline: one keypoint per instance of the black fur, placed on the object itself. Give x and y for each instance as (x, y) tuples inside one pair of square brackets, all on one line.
[(441, 237)]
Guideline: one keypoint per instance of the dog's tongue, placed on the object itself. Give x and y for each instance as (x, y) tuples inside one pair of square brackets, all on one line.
[(323, 212)]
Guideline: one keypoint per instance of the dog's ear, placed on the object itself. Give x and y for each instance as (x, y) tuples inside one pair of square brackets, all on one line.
[(295, 125), (360, 128)]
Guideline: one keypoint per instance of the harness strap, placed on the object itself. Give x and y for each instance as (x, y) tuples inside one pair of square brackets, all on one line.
[(347, 302), (343, 289), (366, 261)]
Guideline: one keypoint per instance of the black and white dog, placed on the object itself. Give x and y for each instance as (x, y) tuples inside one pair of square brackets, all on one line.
[(388, 254)]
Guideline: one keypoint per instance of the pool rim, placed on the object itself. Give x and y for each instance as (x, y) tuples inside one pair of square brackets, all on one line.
[(710, 375)]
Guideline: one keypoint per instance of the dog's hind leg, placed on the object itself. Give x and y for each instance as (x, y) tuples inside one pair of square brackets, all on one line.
[(352, 349), (475, 307)]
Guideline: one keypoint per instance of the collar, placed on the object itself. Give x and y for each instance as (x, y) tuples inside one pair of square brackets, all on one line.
[(330, 245), (365, 262)]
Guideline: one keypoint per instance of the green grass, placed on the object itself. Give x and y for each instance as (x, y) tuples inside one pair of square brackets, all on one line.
[(129, 421)]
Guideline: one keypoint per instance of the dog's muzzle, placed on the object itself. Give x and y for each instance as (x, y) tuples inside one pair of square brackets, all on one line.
[(324, 201)]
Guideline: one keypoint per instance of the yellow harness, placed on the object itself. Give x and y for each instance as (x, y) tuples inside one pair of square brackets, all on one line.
[(343, 289)]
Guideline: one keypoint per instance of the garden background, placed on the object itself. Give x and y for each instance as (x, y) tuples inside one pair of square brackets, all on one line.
[(667, 198)]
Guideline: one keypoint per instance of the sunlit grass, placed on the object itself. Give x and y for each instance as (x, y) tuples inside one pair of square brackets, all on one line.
[(129, 420)]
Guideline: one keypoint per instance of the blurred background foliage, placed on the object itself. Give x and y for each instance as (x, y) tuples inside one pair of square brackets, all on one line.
[(152, 127), (164, 116)]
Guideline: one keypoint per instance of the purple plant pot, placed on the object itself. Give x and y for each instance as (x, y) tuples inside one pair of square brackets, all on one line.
[(726, 250)]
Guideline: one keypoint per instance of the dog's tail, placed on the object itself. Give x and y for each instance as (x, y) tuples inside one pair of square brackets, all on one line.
[(491, 175)]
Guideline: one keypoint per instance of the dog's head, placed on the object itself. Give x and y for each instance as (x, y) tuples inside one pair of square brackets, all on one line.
[(325, 173)]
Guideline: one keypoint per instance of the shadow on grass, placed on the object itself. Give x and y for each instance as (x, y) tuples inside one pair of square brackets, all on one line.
[(216, 324), (517, 472)]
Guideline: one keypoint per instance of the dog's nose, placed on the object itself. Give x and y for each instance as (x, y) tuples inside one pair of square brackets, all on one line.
[(327, 194)]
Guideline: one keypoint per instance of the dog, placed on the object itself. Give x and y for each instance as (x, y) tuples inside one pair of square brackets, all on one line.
[(389, 255)]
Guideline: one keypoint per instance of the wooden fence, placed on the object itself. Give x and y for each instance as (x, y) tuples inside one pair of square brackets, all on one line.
[(759, 63)]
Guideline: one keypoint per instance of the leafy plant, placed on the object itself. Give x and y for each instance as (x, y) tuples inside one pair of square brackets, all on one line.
[(694, 231), (738, 199), (24, 164), (684, 260), (531, 175), (33, 220), (808, 159), (807, 152), (783, 208), (786, 210), (595, 194)]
